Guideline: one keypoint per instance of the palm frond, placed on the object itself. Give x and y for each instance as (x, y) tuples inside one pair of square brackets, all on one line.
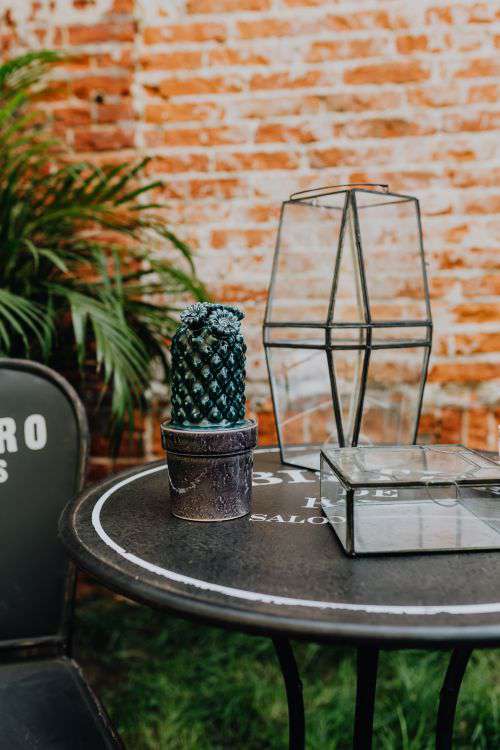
[(119, 352), (22, 72), (19, 318), (75, 272)]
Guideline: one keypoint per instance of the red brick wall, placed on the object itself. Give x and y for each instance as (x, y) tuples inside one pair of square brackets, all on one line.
[(241, 102)]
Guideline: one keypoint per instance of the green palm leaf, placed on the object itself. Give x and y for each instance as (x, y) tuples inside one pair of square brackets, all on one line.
[(19, 318), (69, 288)]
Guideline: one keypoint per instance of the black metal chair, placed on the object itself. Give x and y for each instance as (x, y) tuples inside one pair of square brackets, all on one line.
[(45, 702)]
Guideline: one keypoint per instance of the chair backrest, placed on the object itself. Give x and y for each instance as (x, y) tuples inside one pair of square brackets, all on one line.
[(43, 445)]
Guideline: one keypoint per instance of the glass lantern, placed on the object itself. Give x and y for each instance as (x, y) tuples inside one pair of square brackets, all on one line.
[(347, 329)]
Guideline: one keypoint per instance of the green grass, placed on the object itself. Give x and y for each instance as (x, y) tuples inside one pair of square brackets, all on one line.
[(170, 684)]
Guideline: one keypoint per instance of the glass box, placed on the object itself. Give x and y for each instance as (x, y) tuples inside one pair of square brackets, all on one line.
[(347, 330), (416, 498)]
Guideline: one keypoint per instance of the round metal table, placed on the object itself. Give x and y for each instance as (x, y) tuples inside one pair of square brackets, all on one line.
[(280, 572)]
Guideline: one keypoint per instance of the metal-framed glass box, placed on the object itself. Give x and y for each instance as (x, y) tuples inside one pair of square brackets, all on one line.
[(415, 498), (347, 330)]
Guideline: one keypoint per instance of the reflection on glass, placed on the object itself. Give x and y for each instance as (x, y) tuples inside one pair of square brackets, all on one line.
[(302, 397), (392, 257), (304, 263), (391, 400)]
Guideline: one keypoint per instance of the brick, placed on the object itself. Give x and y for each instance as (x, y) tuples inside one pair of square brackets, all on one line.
[(180, 60), (288, 81), (103, 140), (71, 116), (284, 133), (439, 95), (267, 428), (401, 72), (54, 91), (249, 238), (235, 56), (174, 190), (439, 15), (448, 13), (483, 312), (109, 113), (364, 19), (478, 343), (409, 43), (323, 51), (277, 106), (197, 136), (117, 31), (123, 7), (306, 3), (474, 178), (391, 127), (101, 85), (234, 293), (98, 469), (489, 92), (192, 32), (257, 160), (225, 6), (179, 163), (464, 372), (473, 122), (218, 188), (477, 420), (199, 85), (267, 27), (479, 68), (332, 157), (361, 101), (427, 428), (180, 112), (450, 426), (483, 285)]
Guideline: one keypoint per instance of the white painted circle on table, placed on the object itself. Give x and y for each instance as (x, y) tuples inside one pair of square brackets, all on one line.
[(254, 596)]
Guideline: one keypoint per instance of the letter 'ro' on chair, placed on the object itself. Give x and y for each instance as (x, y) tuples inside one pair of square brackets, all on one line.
[(45, 702)]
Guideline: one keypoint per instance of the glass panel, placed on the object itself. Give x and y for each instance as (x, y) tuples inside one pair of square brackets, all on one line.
[(350, 337), (392, 395), (414, 520), (303, 399), (303, 271), (347, 364), (427, 464), (392, 258), (348, 304), (299, 336), (333, 501), (407, 334)]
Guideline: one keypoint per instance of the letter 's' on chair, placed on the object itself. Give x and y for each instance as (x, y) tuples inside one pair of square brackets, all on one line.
[(45, 702)]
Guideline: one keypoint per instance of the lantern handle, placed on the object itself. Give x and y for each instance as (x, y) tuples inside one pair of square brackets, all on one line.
[(330, 189)]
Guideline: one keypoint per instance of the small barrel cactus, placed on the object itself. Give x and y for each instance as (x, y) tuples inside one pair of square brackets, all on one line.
[(208, 367)]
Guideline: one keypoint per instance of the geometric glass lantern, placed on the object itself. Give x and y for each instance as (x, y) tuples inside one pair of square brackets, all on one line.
[(347, 329)]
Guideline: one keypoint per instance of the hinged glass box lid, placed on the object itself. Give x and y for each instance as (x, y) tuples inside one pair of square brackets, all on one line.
[(415, 498)]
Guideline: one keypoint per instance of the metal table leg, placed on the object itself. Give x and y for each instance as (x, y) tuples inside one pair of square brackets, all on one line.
[(293, 686), (367, 666), (449, 697)]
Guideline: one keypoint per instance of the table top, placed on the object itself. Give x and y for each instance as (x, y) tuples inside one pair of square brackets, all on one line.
[(279, 570)]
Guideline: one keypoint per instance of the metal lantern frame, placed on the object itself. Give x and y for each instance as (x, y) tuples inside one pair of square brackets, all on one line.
[(366, 328)]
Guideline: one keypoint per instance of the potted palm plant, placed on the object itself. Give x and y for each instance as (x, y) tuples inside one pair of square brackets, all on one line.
[(80, 288)]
